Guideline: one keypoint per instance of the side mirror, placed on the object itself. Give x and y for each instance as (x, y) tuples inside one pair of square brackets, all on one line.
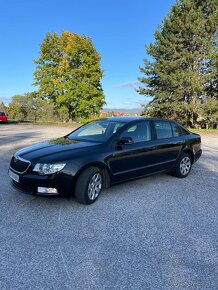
[(125, 141)]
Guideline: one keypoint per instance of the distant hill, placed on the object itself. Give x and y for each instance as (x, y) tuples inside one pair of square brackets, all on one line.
[(130, 111)]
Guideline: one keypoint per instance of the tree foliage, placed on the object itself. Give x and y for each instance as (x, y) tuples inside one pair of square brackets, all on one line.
[(30, 107), (182, 75), (2, 106), (69, 75)]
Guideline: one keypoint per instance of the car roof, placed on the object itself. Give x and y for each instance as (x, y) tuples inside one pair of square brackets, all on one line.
[(128, 119), (125, 119)]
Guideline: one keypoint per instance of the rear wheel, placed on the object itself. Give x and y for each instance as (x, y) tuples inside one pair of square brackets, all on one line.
[(183, 166), (89, 185)]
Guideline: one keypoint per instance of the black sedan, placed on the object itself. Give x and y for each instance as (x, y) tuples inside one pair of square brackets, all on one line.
[(102, 153)]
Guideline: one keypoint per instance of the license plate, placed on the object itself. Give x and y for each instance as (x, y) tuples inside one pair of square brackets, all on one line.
[(14, 176)]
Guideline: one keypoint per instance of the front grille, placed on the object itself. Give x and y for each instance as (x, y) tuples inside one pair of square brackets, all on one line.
[(19, 165)]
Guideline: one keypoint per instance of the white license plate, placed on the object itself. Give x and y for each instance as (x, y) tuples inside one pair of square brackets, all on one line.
[(13, 176)]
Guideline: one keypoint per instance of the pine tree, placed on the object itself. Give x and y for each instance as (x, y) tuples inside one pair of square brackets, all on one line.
[(69, 75), (182, 73)]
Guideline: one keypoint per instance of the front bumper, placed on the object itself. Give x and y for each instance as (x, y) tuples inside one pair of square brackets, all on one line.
[(32, 190), (29, 183)]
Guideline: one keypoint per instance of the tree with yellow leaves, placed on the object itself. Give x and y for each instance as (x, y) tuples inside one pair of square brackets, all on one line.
[(69, 74)]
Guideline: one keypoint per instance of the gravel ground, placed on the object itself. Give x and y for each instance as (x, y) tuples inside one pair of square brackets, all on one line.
[(158, 232)]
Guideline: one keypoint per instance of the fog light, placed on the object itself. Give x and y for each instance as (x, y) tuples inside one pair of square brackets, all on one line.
[(47, 190)]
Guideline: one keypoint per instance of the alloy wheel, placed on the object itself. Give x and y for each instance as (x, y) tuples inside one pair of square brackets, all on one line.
[(95, 185), (185, 165)]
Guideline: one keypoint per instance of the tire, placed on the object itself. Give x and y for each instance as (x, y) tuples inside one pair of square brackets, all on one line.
[(183, 166), (88, 186)]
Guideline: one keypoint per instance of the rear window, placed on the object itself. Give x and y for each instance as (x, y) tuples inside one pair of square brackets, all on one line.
[(2, 114), (178, 130), (163, 129)]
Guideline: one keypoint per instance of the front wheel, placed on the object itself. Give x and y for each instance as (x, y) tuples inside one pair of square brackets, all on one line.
[(89, 185), (183, 166)]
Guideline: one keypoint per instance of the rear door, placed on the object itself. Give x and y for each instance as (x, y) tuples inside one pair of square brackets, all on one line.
[(168, 144)]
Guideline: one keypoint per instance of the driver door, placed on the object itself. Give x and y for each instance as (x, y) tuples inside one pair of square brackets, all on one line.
[(136, 159)]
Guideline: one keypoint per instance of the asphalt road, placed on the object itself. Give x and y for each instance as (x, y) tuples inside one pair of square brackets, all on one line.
[(158, 232)]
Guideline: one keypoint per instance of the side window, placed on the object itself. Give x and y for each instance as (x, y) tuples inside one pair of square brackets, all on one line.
[(117, 127), (139, 132), (163, 129), (178, 130)]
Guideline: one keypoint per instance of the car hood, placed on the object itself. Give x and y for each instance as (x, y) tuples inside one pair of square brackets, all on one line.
[(56, 150)]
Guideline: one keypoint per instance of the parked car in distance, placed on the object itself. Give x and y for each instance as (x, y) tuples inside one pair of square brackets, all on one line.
[(103, 153), (3, 117)]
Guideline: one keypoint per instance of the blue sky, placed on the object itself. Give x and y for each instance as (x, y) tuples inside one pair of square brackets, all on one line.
[(119, 28)]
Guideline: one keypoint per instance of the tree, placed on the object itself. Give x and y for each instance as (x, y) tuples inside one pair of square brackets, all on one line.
[(182, 72), (68, 74), (30, 107), (209, 113), (2, 106), (18, 107)]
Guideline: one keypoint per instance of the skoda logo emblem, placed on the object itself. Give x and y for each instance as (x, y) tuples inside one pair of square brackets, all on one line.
[(16, 158)]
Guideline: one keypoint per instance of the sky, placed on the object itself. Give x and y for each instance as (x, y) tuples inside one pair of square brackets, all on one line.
[(119, 29)]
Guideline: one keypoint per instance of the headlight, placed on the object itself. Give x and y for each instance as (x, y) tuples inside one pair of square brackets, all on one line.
[(45, 169)]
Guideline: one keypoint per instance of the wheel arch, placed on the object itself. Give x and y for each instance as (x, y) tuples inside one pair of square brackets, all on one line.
[(102, 167), (189, 151)]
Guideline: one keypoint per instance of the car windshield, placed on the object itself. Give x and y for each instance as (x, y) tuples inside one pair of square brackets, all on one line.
[(2, 113), (99, 131)]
